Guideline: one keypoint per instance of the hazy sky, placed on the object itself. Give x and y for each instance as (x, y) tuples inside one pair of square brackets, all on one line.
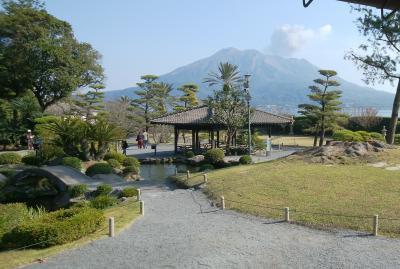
[(156, 36)]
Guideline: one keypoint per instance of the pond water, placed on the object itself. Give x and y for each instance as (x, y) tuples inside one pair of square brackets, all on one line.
[(156, 175)]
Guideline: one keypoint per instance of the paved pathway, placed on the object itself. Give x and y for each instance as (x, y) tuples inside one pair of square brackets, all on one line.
[(181, 230)]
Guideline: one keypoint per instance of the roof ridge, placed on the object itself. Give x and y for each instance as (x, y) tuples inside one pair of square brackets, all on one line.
[(180, 111), (277, 115)]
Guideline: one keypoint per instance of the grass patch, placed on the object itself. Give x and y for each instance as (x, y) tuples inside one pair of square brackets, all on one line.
[(302, 141), (348, 190), (124, 214)]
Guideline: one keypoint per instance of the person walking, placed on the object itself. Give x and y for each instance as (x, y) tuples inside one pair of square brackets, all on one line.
[(138, 140), (29, 139), (145, 138), (124, 146)]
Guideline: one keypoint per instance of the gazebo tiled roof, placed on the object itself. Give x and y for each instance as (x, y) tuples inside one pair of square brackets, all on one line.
[(202, 116)]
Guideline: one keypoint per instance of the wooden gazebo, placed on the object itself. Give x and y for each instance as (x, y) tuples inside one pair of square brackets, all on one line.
[(200, 119)]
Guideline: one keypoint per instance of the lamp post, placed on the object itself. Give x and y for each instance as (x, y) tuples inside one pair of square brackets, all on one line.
[(384, 132), (246, 86)]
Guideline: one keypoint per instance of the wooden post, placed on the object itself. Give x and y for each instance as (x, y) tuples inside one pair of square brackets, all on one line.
[(287, 214), (187, 174), (197, 141), (176, 171), (176, 137), (141, 206), (193, 140), (217, 138), (376, 224), (139, 195), (205, 178), (111, 226), (222, 202)]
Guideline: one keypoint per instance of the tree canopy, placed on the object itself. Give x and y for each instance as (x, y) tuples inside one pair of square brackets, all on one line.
[(39, 53)]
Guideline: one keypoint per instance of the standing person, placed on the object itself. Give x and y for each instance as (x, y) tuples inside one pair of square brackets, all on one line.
[(124, 147), (145, 138), (29, 139), (139, 143)]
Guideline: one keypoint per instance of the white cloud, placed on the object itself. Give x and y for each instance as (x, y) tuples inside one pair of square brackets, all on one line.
[(288, 39)]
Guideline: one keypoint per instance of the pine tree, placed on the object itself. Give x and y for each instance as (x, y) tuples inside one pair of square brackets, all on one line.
[(326, 114), (90, 103), (188, 99)]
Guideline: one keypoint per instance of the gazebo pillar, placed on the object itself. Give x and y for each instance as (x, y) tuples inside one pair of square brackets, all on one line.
[(176, 137), (212, 139), (217, 138), (193, 140), (197, 140)]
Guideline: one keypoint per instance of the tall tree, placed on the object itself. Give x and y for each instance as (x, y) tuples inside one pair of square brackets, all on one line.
[(326, 114), (189, 98), (379, 56), (228, 103), (147, 97), (39, 53)]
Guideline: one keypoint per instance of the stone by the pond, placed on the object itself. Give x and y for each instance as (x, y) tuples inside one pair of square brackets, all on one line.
[(196, 159), (132, 177), (3, 178)]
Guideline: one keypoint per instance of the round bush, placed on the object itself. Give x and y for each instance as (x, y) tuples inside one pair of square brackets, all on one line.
[(55, 228), (206, 166), (347, 135), (214, 156), (99, 168), (246, 159), (72, 162), (10, 158), (131, 161), (115, 155), (78, 190), (190, 154), (103, 201), (377, 136), (114, 163), (129, 192), (103, 189), (31, 159), (11, 215), (131, 169)]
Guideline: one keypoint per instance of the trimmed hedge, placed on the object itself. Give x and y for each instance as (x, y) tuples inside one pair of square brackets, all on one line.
[(31, 159), (11, 215), (131, 161), (55, 228), (103, 189), (189, 154), (214, 156), (129, 192), (246, 159), (103, 201), (359, 136), (10, 158), (206, 166), (115, 155), (131, 169), (99, 168), (78, 190), (73, 162), (114, 163)]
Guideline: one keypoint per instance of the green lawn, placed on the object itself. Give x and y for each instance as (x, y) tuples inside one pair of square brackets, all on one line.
[(350, 190), (123, 213)]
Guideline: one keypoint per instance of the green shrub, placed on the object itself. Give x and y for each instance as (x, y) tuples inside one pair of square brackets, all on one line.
[(10, 158), (78, 190), (12, 215), (347, 135), (377, 136), (214, 156), (396, 140), (114, 163), (189, 154), (115, 155), (131, 169), (73, 162), (50, 152), (246, 159), (206, 166), (103, 189), (99, 168), (55, 228), (131, 161), (129, 192), (31, 159), (103, 201)]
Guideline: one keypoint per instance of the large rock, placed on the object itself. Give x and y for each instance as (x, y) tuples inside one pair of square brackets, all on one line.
[(196, 159)]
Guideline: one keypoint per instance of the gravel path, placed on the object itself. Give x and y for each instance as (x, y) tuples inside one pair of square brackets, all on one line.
[(181, 230)]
